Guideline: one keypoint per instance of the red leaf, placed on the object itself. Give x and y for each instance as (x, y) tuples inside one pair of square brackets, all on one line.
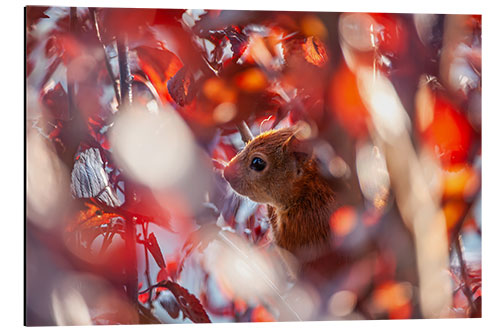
[(390, 36), (56, 103), (168, 273), (34, 14), (239, 41), (132, 21), (346, 103), (189, 304), (160, 66), (146, 204), (143, 298), (64, 46), (449, 134), (155, 251), (182, 87)]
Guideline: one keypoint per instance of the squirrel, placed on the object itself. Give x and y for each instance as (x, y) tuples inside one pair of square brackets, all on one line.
[(278, 168)]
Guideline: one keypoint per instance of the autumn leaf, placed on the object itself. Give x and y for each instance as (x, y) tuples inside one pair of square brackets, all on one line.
[(154, 249), (93, 216), (160, 65), (315, 51), (34, 14), (189, 304), (55, 101), (182, 87)]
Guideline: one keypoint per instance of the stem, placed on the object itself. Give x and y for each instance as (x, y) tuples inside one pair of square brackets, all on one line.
[(246, 134), (458, 227), (125, 75), (146, 258), (130, 224), (159, 284), (71, 83), (107, 61), (463, 271)]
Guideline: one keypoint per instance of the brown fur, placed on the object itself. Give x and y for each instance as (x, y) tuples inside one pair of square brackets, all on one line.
[(300, 201)]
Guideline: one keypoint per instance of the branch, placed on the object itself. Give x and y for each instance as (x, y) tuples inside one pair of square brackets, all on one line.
[(419, 211), (458, 226), (246, 134), (159, 284), (71, 83), (125, 75), (146, 258), (130, 226), (465, 277), (107, 61)]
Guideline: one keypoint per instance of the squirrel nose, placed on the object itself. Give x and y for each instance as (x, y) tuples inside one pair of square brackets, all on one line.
[(229, 172)]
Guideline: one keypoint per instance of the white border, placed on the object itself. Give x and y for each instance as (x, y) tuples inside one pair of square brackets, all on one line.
[(12, 192)]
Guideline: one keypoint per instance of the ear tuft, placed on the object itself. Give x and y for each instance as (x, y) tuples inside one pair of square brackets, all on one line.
[(300, 149), (297, 143)]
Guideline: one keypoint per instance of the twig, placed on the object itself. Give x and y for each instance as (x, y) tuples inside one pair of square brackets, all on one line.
[(106, 239), (130, 225), (246, 134), (71, 83), (159, 284), (107, 61), (456, 240), (125, 75), (456, 230), (465, 277), (146, 258)]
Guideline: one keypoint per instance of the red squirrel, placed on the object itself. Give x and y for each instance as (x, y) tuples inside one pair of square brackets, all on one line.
[(279, 169)]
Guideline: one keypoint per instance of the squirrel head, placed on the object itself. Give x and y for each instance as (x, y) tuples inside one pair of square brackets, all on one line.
[(266, 169)]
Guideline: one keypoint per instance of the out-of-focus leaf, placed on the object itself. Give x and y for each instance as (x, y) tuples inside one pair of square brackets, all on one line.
[(143, 298), (232, 34), (182, 87), (198, 239), (34, 14), (251, 80), (260, 314), (460, 181), (449, 133), (132, 21), (154, 249), (163, 275), (346, 104), (56, 103), (144, 202), (160, 66), (64, 46), (390, 35), (89, 179)]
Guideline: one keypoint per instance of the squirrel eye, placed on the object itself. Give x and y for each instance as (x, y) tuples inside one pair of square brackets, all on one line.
[(258, 164)]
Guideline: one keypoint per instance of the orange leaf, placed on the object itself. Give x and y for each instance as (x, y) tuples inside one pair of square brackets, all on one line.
[(315, 51), (260, 314), (92, 217), (155, 251)]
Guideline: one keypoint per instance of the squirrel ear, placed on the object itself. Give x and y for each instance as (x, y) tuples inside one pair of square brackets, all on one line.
[(300, 149)]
